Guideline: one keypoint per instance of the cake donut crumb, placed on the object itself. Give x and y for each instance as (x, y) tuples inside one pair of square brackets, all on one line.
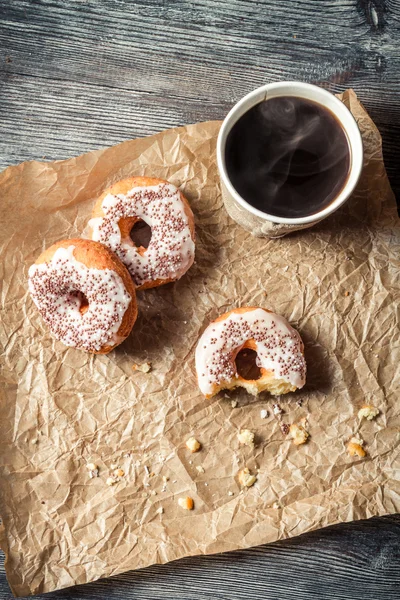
[(368, 412), (246, 437), (144, 367), (246, 478), (193, 445), (187, 503), (299, 434), (355, 447)]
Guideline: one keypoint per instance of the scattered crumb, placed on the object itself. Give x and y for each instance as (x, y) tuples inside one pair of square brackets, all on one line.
[(114, 466), (206, 484), (246, 479), (277, 409), (118, 472), (144, 367), (152, 474), (368, 412), (35, 441), (299, 434), (355, 447), (246, 437), (93, 470), (276, 505), (8, 59), (147, 470), (347, 293), (165, 478), (263, 413), (285, 269), (186, 503), (193, 445), (284, 428), (175, 481), (234, 403), (111, 481), (200, 469), (299, 402), (160, 510), (230, 493), (153, 493)]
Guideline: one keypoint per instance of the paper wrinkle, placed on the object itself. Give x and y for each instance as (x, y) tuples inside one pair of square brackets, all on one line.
[(62, 408)]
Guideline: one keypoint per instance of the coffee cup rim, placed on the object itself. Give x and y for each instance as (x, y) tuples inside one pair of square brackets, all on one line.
[(310, 92)]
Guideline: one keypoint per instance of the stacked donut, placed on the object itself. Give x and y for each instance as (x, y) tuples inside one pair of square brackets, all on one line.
[(85, 289)]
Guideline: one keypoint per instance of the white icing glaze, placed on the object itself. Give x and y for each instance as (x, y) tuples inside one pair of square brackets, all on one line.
[(54, 287), (171, 249), (278, 346)]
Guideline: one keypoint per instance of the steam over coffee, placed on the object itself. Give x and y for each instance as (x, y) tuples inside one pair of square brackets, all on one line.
[(288, 157)]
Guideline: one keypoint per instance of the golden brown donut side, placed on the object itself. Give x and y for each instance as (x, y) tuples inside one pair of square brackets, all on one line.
[(125, 225), (96, 256)]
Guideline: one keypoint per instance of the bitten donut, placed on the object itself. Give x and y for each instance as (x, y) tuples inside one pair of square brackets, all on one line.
[(163, 207), (280, 353), (84, 294)]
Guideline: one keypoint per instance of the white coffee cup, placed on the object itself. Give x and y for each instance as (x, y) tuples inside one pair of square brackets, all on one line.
[(259, 219)]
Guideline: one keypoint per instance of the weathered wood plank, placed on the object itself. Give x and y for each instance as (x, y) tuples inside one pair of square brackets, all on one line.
[(169, 63)]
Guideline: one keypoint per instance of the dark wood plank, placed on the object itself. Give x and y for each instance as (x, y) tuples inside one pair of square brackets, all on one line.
[(76, 75)]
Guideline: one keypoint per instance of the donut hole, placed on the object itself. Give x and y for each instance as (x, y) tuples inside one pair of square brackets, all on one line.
[(140, 234), (83, 302), (246, 365)]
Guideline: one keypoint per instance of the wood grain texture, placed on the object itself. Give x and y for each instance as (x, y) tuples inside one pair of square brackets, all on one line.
[(76, 75)]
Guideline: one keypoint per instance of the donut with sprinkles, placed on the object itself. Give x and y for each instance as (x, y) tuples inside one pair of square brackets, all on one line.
[(160, 205), (279, 348), (84, 294)]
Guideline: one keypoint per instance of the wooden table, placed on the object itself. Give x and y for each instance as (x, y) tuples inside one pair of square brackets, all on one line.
[(82, 74)]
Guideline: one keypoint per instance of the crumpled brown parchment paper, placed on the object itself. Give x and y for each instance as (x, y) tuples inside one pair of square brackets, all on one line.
[(61, 408)]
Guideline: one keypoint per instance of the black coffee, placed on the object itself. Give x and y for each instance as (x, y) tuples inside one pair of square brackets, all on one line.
[(288, 157)]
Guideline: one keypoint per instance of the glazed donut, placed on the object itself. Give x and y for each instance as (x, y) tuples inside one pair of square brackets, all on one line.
[(84, 294), (280, 353), (164, 208)]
